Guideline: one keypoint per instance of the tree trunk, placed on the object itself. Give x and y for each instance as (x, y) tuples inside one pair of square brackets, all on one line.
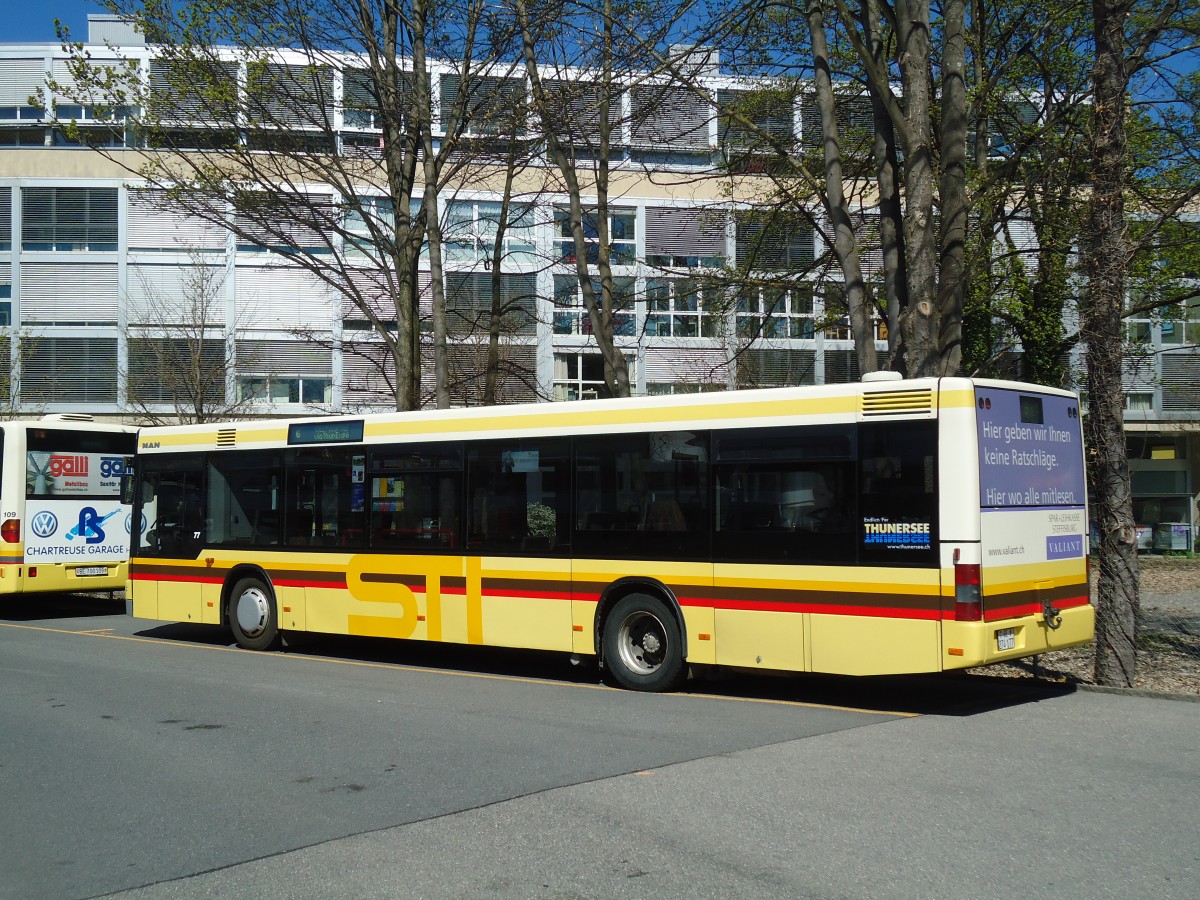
[(616, 372), (1117, 589), (920, 322), (433, 221), (491, 378), (887, 177), (951, 281), (845, 246)]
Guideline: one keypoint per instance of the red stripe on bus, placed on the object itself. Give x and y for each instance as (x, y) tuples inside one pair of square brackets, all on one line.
[(837, 609), (996, 613)]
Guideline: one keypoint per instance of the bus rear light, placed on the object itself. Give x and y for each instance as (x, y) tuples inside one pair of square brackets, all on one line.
[(10, 531), (33, 571), (968, 599)]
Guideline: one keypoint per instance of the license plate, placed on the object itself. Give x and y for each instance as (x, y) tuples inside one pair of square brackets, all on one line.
[(91, 570), (1006, 639)]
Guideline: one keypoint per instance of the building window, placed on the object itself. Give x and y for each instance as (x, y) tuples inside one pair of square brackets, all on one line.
[(580, 376), (284, 389), (1181, 323), (685, 237), (284, 223), (622, 236), (472, 226), (661, 388), (837, 316), (95, 126), (775, 312), (371, 229), (1139, 402), (361, 108), (21, 113), (495, 106), (22, 126), (5, 305), (773, 244), (469, 304), (69, 219), (683, 307), (775, 367), (571, 317), (69, 370), (181, 371)]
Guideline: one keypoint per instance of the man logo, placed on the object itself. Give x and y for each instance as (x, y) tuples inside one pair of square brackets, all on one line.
[(44, 524)]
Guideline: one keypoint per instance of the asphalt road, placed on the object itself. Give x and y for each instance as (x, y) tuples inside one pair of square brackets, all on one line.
[(155, 761)]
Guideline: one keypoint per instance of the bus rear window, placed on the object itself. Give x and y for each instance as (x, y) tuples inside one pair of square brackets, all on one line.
[(1031, 410)]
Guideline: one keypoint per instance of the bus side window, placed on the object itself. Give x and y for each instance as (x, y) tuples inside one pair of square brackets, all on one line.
[(415, 493), (898, 479), (171, 507), (644, 496), (324, 506), (243, 499), (786, 494), (517, 496)]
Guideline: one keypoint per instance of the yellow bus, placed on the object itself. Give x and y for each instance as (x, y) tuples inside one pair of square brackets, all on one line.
[(889, 526), (63, 526)]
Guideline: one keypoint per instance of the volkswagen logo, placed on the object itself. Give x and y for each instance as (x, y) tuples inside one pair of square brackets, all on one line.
[(44, 524)]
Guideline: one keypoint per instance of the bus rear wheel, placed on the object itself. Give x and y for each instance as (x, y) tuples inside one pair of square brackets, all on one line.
[(643, 647), (252, 615)]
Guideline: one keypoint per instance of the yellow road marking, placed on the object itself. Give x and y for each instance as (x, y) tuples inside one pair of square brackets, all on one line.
[(517, 679)]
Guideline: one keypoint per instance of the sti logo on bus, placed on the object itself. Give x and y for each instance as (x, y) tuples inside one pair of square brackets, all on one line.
[(68, 466)]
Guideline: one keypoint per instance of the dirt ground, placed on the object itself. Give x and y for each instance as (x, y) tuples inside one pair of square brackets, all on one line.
[(1168, 634)]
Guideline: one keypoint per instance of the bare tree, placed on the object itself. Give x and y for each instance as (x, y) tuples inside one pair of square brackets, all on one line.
[(182, 353), (318, 151), (12, 405), (599, 304)]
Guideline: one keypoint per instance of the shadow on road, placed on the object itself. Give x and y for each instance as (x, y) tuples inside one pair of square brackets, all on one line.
[(945, 694), (941, 693), (36, 607)]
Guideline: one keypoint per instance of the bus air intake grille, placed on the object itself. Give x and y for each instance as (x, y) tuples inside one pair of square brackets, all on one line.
[(895, 403), (226, 437)]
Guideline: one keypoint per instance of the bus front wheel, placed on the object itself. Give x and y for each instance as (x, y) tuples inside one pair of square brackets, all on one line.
[(252, 615), (643, 648)]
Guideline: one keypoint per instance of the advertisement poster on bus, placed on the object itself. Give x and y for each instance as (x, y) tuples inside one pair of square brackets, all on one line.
[(1032, 487), (73, 509), (59, 474), (76, 531)]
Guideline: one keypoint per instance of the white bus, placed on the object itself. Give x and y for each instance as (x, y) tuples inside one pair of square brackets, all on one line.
[(63, 526)]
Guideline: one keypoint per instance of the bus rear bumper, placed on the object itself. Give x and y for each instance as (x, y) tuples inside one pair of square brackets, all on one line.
[(968, 644)]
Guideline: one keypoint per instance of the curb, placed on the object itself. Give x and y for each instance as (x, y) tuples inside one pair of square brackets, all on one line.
[(1136, 692)]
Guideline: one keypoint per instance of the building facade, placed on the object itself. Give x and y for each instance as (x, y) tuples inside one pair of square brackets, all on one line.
[(96, 272)]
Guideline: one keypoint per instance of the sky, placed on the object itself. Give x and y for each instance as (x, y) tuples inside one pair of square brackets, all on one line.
[(32, 21)]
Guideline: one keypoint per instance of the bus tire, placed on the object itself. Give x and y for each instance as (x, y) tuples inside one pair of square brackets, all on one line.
[(643, 647), (252, 615)]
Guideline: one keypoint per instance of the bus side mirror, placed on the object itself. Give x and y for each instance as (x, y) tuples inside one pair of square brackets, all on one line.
[(127, 482)]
